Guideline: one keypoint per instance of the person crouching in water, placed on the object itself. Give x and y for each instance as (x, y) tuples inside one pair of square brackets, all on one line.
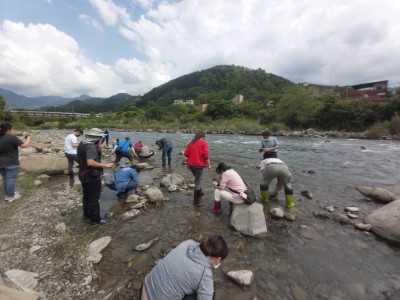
[(186, 270), (229, 179), (126, 180), (272, 168)]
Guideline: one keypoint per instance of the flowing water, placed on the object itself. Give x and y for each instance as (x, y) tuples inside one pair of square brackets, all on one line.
[(309, 258)]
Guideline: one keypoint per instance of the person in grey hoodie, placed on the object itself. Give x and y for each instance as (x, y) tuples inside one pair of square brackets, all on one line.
[(186, 270)]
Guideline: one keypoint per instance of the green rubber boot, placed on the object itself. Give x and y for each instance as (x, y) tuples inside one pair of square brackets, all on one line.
[(289, 201), (264, 196)]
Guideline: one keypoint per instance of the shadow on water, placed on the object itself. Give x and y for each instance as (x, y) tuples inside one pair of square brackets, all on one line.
[(309, 258)]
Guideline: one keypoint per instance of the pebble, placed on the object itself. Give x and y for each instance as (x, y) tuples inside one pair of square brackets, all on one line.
[(277, 212), (362, 226), (352, 209), (352, 216), (307, 194), (330, 208), (145, 246)]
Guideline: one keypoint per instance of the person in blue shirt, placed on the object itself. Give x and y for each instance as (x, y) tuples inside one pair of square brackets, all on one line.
[(124, 146), (106, 135), (269, 145), (126, 180)]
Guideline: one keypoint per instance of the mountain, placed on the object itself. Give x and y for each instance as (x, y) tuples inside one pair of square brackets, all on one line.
[(14, 101), (221, 82)]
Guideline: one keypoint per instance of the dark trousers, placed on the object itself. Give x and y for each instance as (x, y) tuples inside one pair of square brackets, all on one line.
[(198, 173), (90, 200), (270, 155), (71, 158), (123, 154)]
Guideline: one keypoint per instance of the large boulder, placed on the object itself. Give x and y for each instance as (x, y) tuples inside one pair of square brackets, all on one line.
[(27, 151), (46, 164), (378, 194), (385, 221), (172, 179), (249, 219)]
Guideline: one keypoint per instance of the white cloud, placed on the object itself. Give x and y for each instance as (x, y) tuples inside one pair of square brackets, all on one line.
[(110, 12), (91, 21)]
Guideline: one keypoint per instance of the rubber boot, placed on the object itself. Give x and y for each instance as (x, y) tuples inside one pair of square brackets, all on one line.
[(217, 208), (264, 193), (289, 201), (197, 198), (163, 162)]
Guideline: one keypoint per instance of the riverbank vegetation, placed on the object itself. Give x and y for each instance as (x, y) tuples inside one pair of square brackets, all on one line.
[(269, 102)]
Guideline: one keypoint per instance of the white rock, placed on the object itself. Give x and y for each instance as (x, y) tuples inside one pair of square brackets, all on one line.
[(330, 208), (138, 205), (88, 279), (242, 277), (352, 216), (23, 279), (352, 209), (132, 198), (249, 219), (37, 182), (172, 188), (130, 214), (144, 246), (61, 227), (191, 185), (94, 249), (33, 249), (362, 226), (277, 212), (154, 195)]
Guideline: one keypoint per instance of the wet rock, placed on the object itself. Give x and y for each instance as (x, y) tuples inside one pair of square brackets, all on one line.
[(385, 221), (289, 216), (277, 212), (154, 195), (23, 279), (352, 216), (138, 205), (132, 199), (242, 277), (130, 214), (351, 209), (330, 208), (307, 194), (145, 246), (362, 226), (94, 249), (172, 179), (249, 219), (306, 231), (378, 194), (342, 219)]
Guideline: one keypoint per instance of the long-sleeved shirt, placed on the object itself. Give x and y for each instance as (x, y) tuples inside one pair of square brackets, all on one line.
[(232, 180), (183, 271), (197, 153), (123, 176)]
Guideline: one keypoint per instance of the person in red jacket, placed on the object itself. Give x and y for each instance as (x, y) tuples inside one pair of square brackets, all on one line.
[(197, 159)]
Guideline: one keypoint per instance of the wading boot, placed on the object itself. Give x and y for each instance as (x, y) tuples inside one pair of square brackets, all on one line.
[(197, 198), (217, 208), (289, 201), (264, 193)]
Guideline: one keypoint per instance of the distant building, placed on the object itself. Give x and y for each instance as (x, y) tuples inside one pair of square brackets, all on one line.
[(182, 101), (270, 104), (318, 90), (377, 91), (237, 99)]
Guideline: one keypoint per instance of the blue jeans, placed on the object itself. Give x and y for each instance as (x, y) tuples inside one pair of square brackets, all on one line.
[(166, 152), (9, 174)]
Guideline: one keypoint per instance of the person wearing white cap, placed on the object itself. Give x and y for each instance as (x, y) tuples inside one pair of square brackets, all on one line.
[(90, 170)]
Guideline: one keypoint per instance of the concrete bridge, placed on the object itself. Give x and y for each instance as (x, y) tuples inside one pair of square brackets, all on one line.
[(52, 113)]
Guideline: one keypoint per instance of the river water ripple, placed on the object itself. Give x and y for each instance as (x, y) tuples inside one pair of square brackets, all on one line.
[(309, 258)]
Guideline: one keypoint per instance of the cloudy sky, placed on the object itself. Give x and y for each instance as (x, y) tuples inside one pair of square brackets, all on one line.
[(104, 47)]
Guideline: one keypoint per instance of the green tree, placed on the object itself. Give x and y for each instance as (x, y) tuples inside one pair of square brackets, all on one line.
[(2, 105), (298, 108)]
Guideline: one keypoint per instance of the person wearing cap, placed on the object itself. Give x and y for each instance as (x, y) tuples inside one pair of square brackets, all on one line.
[(122, 150), (90, 170), (165, 145), (70, 145), (272, 168), (269, 145)]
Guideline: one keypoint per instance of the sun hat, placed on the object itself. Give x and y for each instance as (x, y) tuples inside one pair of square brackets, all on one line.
[(93, 135)]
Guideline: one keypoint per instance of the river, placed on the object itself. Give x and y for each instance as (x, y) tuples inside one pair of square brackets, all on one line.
[(309, 258)]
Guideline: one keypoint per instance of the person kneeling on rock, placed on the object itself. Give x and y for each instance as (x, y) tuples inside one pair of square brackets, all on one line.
[(126, 180)]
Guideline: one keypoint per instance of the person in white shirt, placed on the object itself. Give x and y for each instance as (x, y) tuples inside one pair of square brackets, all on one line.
[(70, 145)]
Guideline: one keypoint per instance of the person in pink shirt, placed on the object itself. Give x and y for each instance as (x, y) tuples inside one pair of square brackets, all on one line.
[(197, 159), (229, 179)]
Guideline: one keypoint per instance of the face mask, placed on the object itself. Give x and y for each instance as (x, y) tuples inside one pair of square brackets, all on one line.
[(217, 266)]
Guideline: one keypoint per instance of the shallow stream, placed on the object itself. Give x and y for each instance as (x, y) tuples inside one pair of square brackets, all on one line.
[(309, 258)]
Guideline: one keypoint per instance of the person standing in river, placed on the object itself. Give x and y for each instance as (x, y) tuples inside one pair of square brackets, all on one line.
[(165, 145), (90, 170), (269, 145), (197, 159), (272, 168), (186, 270), (70, 145), (9, 163), (107, 135)]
